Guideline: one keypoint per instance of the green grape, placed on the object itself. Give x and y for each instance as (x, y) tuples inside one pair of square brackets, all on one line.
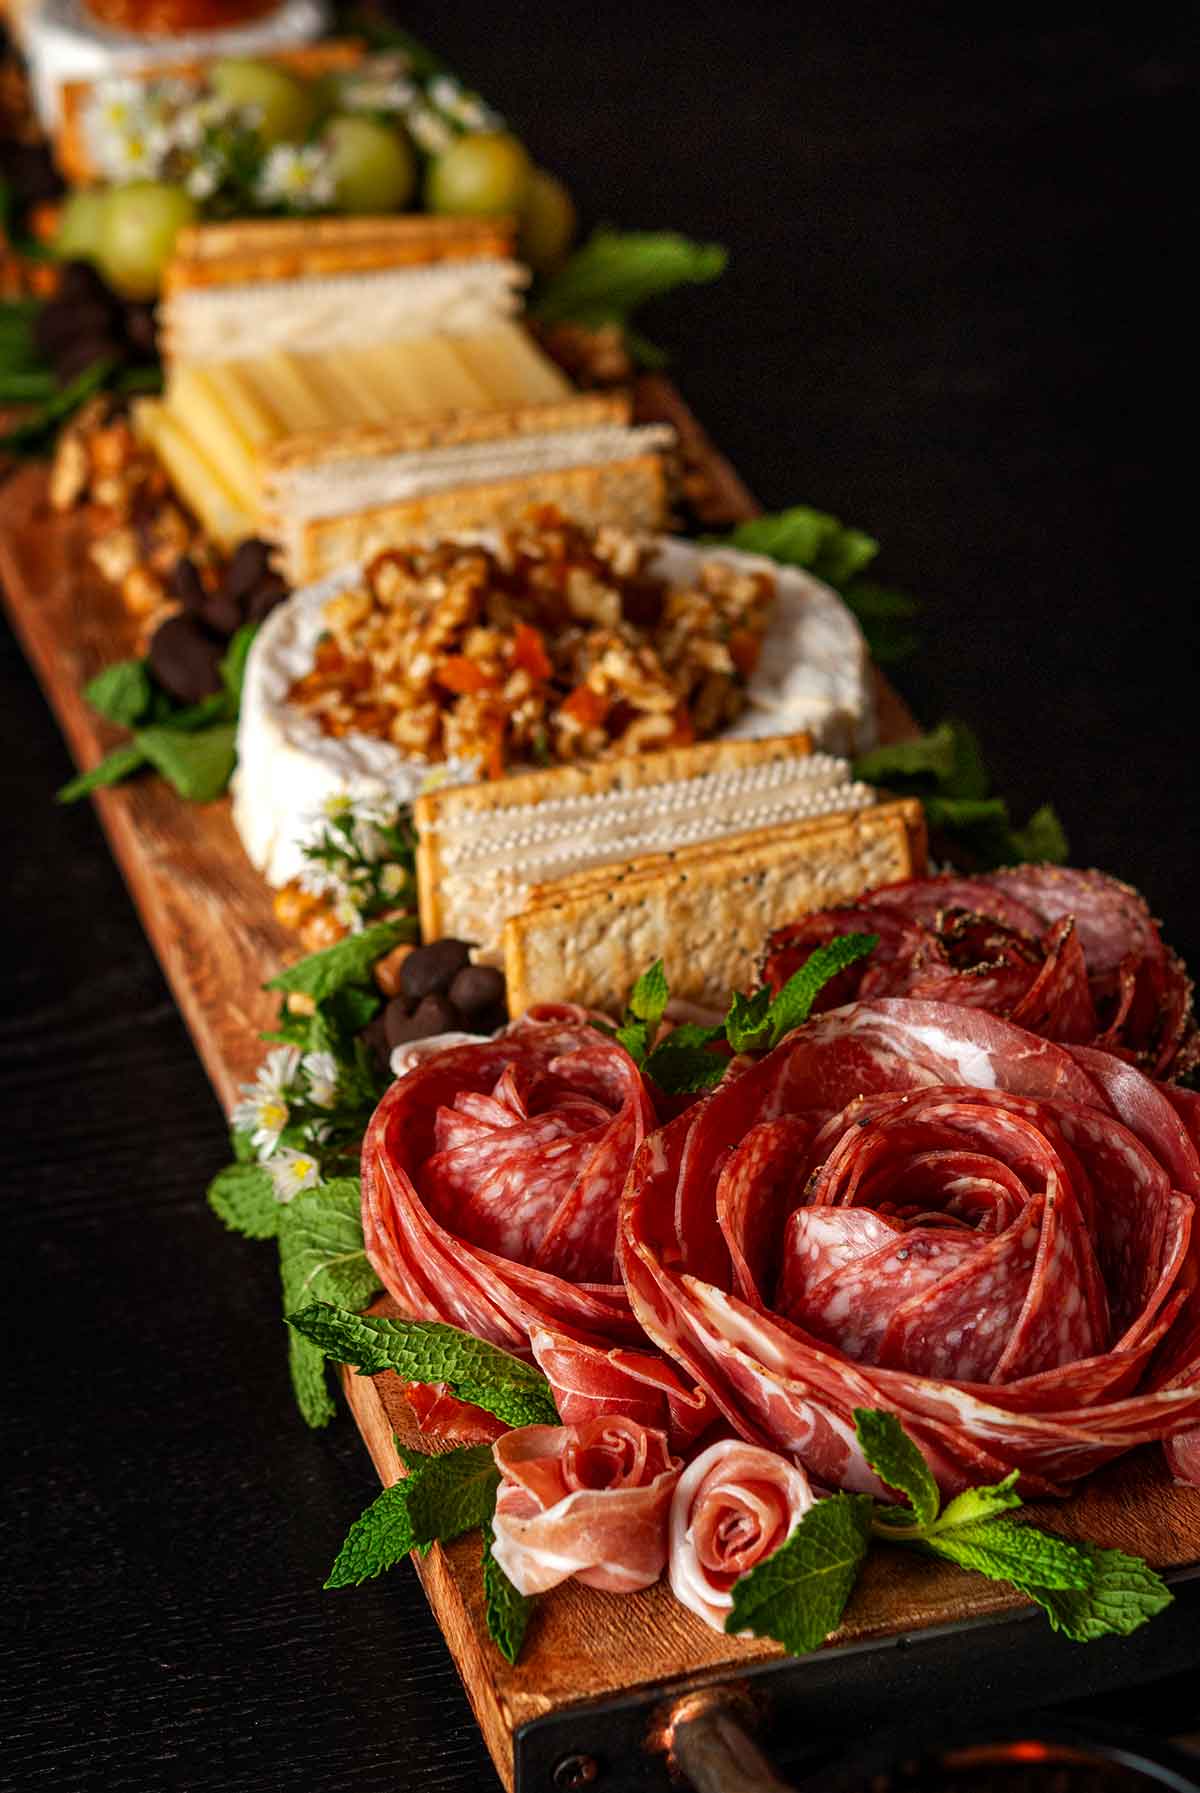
[(374, 169), (480, 175), (285, 104), (547, 222), (140, 225), (81, 224)]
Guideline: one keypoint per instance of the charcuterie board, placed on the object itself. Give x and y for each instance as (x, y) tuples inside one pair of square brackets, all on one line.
[(590, 1659)]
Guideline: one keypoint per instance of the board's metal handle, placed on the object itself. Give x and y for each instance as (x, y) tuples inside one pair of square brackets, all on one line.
[(711, 1748)]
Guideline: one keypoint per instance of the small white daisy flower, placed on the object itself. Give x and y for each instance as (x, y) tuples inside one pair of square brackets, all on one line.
[(321, 1069), (202, 181), (392, 880), (445, 92), (428, 129), (263, 1110), (297, 175), (347, 909), (291, 1172)]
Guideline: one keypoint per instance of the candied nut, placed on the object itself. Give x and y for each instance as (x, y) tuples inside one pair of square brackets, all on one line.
[(115, 554), (299, 1003), (387, 969), (142, 591), (112, 448), (321, 930), (68, 477), (293, 904)]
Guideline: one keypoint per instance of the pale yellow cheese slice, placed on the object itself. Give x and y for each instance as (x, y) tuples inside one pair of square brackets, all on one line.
[(197, 407), (194, 477), (510, 367)]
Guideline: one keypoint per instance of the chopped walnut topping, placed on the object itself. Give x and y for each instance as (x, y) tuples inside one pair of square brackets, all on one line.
[(557, 645)]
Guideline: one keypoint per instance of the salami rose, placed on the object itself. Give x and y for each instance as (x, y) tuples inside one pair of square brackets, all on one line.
[(1073, 955), (491, 1178), (919, 1207), (588, 1502), (732, 1508)]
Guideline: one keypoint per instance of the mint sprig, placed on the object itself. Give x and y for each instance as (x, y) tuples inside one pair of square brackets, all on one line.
[(349, 961), (429, 1351), (798, 1594), (193, 746), (440, 1498), (322, 1258), (682, 1063), (616, 272), (243, 1196), (508, 1611)]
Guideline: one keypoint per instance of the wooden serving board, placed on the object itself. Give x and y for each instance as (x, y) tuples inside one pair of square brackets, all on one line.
[(209, 918)]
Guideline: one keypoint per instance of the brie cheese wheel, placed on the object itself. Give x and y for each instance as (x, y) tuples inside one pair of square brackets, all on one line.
[(813, 674)]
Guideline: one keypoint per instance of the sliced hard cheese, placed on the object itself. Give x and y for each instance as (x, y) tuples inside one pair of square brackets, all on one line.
[(509, 367), (483, 852), (193, 475), (197, 404), (705, 911)]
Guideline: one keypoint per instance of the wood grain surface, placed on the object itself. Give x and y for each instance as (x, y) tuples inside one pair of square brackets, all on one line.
[(208, 916)]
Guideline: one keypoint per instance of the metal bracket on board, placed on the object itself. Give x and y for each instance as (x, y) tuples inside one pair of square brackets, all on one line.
[(804, 1711)]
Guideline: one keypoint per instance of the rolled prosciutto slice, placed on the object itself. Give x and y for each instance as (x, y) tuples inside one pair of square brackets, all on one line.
[(1073, 955), (919, 1207), (588, 1502), (491, 1176), (732, 1508)]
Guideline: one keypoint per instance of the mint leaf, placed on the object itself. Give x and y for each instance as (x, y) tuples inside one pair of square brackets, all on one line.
[(897, 1461), (1124, 1593), (635, 1037), (114, 767), (349, 962), (310, 1385), (794, 1002), (930, 759), (198, 763), (798, 1595), (439, 1499), (380, 1537), (321, 1250), (452, 1494), (615, 272), (243, 1196), (428, 1351), (508, 1612), (1006, 1550), (976, 1504), (682, 1064), (649, 996), (233, 666), (746, 1025), (122, 692), (1042, 838), (804, 537)]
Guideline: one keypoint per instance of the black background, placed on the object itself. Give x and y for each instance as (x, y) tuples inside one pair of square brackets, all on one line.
[(955, 314)]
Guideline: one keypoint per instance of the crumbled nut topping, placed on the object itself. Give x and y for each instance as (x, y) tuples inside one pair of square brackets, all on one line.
[(556, 646)]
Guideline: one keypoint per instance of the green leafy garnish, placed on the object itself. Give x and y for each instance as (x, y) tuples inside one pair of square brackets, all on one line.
[(112, 769), (616, 272), (33, 434), (123, 692), (798, 1595), (682, 1063), (945, 769), (838, 554), (508, 1612), (321, 1257), (324, 973), (199, 763), (243, 1196), (428, 1351), (439, 1499)]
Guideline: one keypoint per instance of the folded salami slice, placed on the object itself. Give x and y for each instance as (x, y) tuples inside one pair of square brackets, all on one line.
[(491, 1177), (917, 1206), (1073, 955)]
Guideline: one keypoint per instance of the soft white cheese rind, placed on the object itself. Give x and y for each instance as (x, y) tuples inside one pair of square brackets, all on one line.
[(813, 674)]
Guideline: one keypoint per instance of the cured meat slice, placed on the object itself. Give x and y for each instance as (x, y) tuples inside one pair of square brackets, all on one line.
[(491, 1179), (991, 1235), (588, 1501), (732, 1508), (1073, 955), (587, 1383)]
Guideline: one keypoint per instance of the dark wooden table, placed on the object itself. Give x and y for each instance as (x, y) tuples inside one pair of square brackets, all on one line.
[(956, 315)]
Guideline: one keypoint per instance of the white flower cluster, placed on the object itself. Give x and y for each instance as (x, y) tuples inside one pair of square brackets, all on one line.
[(347, 859), (433, 114), (299, 176), (150, 130), (289, 1082)]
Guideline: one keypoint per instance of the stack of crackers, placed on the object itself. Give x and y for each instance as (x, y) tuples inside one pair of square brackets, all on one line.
[(577, 878)]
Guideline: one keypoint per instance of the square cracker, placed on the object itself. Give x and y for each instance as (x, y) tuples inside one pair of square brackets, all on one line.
[(705, 911), (440, 815)]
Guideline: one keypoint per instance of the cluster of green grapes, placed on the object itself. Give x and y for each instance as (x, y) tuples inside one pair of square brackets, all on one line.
[(128, 231)]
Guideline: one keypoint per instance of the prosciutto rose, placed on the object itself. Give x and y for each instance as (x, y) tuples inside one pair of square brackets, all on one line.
[(1073, 955), (491, 1177), (919, 1207), (732, 1508), (589, 1502)]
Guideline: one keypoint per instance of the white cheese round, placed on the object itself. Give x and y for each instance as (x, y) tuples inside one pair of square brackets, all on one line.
[(813, 673)]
